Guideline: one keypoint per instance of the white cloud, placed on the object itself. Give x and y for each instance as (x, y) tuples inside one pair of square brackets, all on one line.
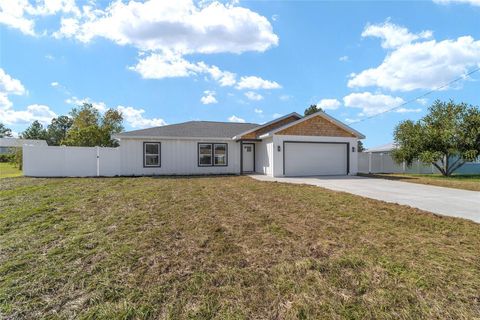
[(76, 102), (255, 83), (472, 2), (285, 97), (422, 101), (9, 85), (407, 110), (253, 96), (350, 121), (236, 119), (329, 104), (208, 97), (371, 104), (258, 111), (393, 36), (134, 117), (22, 15), (276, 115), (421, 65), (33, 112), (180, 26), (54, 84), (343, 58)]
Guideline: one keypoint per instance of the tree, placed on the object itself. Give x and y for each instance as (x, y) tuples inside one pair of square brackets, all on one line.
[(447, 137), (35, 131), (360, 147), (57, 130), (311, 110), (90, 129), (4, 131)]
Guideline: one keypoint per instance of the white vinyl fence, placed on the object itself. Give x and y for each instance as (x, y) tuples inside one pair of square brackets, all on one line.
[(383, 163), (70, 161)]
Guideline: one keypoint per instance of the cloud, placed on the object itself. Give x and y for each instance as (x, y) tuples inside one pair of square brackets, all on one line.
[(407, 110), (343, 58), (258, 111), (236, 119), (41, 113), (209, 97), (22, 15), (255, 83), (76, 102), (285, 97), (253, 96), (422, 101), (471, 2), (329, 104), (276, 115), (350, 121), (170, 65), (371, 104), (9, 85), (421, 65), (392, 35), (55, 84), (180, 26), (134, 117)]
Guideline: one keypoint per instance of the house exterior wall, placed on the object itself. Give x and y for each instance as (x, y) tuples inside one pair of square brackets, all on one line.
[(316, 126), (178, 157), (278, 155), (264, 156)]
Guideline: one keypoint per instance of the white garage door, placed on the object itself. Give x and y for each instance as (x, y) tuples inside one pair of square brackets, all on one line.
[(315, 159)]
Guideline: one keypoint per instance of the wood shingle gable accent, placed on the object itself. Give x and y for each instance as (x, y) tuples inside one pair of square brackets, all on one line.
[(273, 126), (316, 126)]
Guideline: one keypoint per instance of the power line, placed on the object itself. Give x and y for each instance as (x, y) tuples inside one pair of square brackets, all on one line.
[(419, 97)]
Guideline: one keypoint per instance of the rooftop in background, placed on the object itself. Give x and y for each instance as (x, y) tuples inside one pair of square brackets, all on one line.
[(16, 142), (192, 129), (383, 148)]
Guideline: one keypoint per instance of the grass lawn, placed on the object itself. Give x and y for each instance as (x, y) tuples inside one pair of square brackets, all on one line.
[(227, 248), (7, 170), (467, 182)]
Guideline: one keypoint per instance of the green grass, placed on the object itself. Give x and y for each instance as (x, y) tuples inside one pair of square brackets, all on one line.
[(227, 248), (7, 170), (466, 182)]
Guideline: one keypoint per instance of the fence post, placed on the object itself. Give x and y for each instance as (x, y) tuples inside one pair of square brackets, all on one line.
[(98, 161), (369, 162)]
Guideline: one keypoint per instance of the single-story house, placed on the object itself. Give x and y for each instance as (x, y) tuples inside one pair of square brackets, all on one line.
[(291, 145), (8, 144)]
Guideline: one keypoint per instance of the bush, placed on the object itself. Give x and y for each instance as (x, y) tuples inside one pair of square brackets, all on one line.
[(17, 160), (7, 157)]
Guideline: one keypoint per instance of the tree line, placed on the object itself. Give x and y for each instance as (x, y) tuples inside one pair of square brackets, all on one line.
[(83, 126)]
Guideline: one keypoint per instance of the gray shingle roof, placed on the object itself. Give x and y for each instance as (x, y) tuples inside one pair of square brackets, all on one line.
[(194, 129)]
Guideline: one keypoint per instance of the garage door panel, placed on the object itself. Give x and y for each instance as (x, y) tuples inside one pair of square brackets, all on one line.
[(308, 159)]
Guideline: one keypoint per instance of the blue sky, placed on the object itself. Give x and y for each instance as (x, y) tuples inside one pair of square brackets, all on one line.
[(163, 62)]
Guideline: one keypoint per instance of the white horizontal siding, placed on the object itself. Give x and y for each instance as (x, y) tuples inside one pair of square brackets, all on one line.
[(178, 157)]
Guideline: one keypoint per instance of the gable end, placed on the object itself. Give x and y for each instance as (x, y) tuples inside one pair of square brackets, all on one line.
[(316, 126), (266, 129)]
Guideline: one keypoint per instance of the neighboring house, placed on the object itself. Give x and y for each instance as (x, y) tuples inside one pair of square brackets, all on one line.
[(379, 160), (8, 144), (288, 146)]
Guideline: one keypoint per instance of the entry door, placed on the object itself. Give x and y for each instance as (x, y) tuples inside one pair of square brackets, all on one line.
[(248, 157)]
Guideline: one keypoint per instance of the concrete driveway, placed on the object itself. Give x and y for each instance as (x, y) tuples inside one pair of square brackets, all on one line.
[(445, 201)]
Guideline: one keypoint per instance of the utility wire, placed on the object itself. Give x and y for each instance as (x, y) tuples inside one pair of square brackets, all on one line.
[(419, 97)]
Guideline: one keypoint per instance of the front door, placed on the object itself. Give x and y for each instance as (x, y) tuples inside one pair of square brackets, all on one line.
[(248, 157)]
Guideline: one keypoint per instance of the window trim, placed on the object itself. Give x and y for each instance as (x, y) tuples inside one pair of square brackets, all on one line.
[(212, 154), (152, 154)]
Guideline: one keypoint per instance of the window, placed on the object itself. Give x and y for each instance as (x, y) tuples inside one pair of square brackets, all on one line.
[(212, 154), (205, 154), (220, 154), (151, 154)]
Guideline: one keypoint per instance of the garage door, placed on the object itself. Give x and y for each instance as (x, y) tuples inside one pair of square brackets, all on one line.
[(315, 159)]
